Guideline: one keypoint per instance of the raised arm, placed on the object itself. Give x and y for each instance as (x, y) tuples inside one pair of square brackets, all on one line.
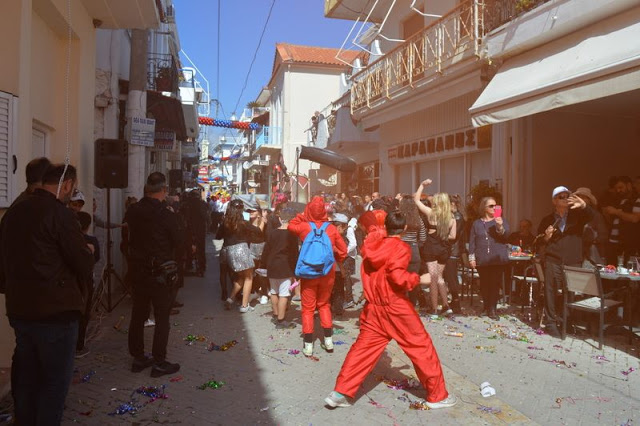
[(416, 197)]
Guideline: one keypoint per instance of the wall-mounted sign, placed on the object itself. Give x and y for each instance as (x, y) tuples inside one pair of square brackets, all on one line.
[(165, 140), (480, 138), (142, 131)]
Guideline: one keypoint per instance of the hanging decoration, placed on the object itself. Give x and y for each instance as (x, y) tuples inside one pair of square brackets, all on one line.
[(229, 157), (229, 124)]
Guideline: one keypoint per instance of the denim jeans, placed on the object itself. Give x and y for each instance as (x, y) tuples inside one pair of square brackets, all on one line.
[(42, 369)]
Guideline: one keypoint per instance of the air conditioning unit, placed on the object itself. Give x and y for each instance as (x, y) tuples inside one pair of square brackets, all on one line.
[(170, 15)]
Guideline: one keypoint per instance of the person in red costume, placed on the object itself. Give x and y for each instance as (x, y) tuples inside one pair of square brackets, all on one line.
[(317, 292), (388, 314)]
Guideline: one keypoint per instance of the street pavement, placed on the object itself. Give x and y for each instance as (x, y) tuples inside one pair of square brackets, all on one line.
[(264, 380)]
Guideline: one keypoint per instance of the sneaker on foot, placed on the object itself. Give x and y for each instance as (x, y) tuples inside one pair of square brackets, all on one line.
[(81, 353), (284, 325), (447, 312), (245, 309), (140, 364), (264, 300), (163, 368), (296, 299), (327, 345), (449, 401), (228, 303), (307, 349), (149, 323), (336, 399)]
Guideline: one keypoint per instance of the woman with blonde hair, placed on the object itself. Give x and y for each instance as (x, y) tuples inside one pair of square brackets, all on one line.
[(441, 229)]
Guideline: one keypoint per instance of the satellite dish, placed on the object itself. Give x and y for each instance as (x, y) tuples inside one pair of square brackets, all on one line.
[(247, 165)]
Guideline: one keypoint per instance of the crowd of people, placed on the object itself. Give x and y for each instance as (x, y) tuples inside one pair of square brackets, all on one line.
[(407, 244)]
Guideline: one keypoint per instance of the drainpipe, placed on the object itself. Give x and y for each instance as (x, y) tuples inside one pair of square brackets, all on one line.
[(137, 107)]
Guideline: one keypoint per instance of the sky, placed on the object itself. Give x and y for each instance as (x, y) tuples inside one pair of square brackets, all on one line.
[(241, 23)]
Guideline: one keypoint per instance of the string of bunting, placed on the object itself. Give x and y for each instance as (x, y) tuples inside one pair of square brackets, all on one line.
[(229, 124), (229, 157)]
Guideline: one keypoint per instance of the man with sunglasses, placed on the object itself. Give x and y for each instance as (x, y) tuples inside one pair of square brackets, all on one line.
[(561, 239)]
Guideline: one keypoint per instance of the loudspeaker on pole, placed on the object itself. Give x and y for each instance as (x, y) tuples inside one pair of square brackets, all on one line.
[(111, 163)]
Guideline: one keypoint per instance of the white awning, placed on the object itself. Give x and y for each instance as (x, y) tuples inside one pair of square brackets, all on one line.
[(589, 64)]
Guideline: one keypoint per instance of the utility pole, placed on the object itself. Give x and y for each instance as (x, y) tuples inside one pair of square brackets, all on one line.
[(137, 107)]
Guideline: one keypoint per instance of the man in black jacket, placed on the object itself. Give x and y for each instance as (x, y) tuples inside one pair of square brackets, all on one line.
[(45, 266), (153, 238), (561, 233)]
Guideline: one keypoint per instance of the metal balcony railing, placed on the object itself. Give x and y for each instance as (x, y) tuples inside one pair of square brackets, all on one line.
[(162, 73), (428, 53), (266, 136)]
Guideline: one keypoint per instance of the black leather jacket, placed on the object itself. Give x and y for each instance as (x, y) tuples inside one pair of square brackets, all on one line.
[(45, 262), (154, 233)]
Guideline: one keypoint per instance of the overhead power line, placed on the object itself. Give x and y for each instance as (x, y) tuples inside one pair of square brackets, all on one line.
[(235, 108)]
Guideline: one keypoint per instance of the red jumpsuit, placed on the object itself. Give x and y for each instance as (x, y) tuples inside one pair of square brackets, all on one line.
[(387, 315), (317, 292)]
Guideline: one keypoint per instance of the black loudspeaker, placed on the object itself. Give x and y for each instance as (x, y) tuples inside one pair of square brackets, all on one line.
[(175, 178), (111, 163)]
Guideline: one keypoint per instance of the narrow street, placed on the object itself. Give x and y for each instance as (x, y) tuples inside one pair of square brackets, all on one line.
[(538, 379)]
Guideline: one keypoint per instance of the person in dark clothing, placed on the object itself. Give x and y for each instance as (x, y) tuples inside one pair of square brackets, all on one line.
[(84, 219), (488, 252), (196, 214), (153, 239), (562, 233), (280, 258), (34, 172), (45, 266), (457, 248)]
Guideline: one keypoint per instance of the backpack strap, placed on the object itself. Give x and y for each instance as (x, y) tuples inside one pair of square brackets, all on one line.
[(324, 226)]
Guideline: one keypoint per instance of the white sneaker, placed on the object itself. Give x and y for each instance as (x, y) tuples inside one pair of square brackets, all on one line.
[(449, 401), (307, 349), (327, 345), (336, 400), (264, 300), (149, 323), (228, 303), (245, 309)]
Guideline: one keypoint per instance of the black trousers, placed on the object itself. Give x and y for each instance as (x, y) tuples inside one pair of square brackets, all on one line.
[(450, 276), (490, 282), (149, 290), (553, 281)]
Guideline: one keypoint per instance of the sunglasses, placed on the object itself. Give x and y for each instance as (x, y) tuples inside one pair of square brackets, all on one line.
[(491, 206), (562, 197)]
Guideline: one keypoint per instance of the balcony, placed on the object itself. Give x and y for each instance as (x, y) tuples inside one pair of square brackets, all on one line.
[(190, 101), (435, 51), (267, 142), (123, 14), (162, 73)]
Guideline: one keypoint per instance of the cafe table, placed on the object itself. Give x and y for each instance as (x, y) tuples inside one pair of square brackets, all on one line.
[(629, 282)]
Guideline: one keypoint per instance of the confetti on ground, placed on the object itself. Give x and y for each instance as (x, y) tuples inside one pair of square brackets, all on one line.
[(629, 371), (490, 410), (176, 379), (211, 384), (224, 347), (403, 384), (277, 359), (88, 376), (152, 392), (127, 408), (490, 349), (339, 342), (572, 401), (293, 352), (374, 403), (191, 338), (340, 331), (539, 332), (557, 362), (535, 348), (313, 358), (601, 358), (454, 334)]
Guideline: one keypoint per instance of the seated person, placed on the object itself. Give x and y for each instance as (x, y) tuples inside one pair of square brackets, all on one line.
[(523, 237)]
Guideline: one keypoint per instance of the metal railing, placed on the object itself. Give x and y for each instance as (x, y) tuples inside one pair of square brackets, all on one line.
[(265, 136), (162, 73), (428, 53)]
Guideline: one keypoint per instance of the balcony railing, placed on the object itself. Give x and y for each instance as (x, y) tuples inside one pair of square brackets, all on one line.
[(428, 53), (266, 136), (162, 73)]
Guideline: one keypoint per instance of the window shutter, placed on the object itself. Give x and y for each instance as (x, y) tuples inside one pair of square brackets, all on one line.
[(6, 149)]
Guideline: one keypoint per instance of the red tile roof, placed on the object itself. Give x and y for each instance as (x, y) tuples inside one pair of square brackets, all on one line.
[(315, 55)]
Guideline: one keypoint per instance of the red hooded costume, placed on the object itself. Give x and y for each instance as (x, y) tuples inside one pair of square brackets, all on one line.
[(388, 314), (317, 292)]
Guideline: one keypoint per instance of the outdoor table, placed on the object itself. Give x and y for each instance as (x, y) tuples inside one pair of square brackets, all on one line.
[(516, 262), (630, 282)]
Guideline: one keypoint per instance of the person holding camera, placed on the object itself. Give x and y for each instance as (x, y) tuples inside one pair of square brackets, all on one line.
[(153, 238)]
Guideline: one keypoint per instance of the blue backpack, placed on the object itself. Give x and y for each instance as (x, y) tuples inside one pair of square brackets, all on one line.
[(316, 254)]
